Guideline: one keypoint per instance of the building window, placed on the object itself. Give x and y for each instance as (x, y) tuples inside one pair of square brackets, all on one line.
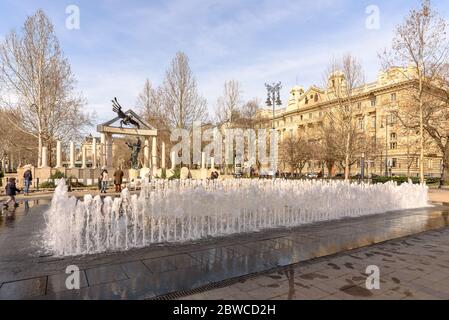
[(393, 118), (394, 162), (393, 145), (360, 123), (301, 117), (393, 97), (316, 97), (346, 108), (373, 122), (359, 106), (393, 136), (430, 164), (310, 115), (373, 101)]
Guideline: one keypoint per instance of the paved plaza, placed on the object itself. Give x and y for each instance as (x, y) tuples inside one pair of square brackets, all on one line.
[(414, 267), (247, 266)]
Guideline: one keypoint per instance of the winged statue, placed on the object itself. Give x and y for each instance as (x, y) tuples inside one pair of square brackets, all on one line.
[(125, 119)]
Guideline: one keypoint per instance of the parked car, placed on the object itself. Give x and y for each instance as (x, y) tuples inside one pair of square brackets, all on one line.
[(311, 175), (339, 176)]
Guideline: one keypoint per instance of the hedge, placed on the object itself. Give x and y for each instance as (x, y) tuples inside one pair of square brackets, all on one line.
[(402, 179)]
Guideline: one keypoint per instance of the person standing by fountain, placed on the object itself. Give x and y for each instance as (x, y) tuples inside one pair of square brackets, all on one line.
[(118, 180), (104, 181), (27, 178)]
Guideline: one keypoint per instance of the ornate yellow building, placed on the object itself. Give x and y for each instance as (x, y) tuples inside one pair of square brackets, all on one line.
[(306, 110)]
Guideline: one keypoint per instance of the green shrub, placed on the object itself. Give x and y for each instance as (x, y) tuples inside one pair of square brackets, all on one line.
[(48, 185), (433, 180), (176, 174), (403, 179), (57, 175), (74, 183)]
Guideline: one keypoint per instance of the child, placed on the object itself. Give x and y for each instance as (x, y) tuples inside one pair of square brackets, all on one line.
[(11, 191)]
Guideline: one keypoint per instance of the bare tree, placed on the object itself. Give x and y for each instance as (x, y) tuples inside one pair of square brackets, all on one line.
[(228, 105), (151, 108), (182, 102), (344, 77), (420, 42), (249, 114), (329, 145), (34, 70), (13, 142), (295, 152), (149, 103)]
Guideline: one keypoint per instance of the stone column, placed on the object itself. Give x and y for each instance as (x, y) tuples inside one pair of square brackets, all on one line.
[(103, 149), (163, 156), (109, 151), (72, 154), (154, 154), (94, 153), (203, 160), (146, 153), (83, 155), (212, 163), (172, 155), (58, 154), (44, 157)]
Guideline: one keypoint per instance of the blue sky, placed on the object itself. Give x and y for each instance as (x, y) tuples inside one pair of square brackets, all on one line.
[(121, 43)]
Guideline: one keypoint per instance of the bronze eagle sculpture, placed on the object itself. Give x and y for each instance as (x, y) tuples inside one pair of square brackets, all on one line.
[(125, 119)]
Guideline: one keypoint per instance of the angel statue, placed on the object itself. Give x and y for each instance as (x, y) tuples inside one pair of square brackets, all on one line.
[(135, 149), (125, 119)]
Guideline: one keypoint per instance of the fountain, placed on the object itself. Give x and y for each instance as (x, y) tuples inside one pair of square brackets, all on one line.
[(185, 210)]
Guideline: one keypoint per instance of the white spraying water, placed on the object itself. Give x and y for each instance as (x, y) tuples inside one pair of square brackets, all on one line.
[(178, 211)]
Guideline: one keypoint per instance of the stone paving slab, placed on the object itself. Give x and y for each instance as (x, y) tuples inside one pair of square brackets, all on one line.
[(28, 272), (405, 274)]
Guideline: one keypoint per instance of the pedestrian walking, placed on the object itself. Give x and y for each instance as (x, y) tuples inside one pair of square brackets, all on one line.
[(11, 191)]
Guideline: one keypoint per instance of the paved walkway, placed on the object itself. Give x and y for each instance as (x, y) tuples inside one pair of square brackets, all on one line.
[(27, 272), (415, 267)]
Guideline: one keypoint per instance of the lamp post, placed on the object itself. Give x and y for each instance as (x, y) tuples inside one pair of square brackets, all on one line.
[(273, 99)]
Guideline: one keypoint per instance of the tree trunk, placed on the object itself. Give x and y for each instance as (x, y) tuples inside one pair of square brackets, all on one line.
[(39, 150), (421, 134), (348, 139), (446, 162), (330, 166)]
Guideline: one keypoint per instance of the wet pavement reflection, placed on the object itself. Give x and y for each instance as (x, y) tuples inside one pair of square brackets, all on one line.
[(160, 270)]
